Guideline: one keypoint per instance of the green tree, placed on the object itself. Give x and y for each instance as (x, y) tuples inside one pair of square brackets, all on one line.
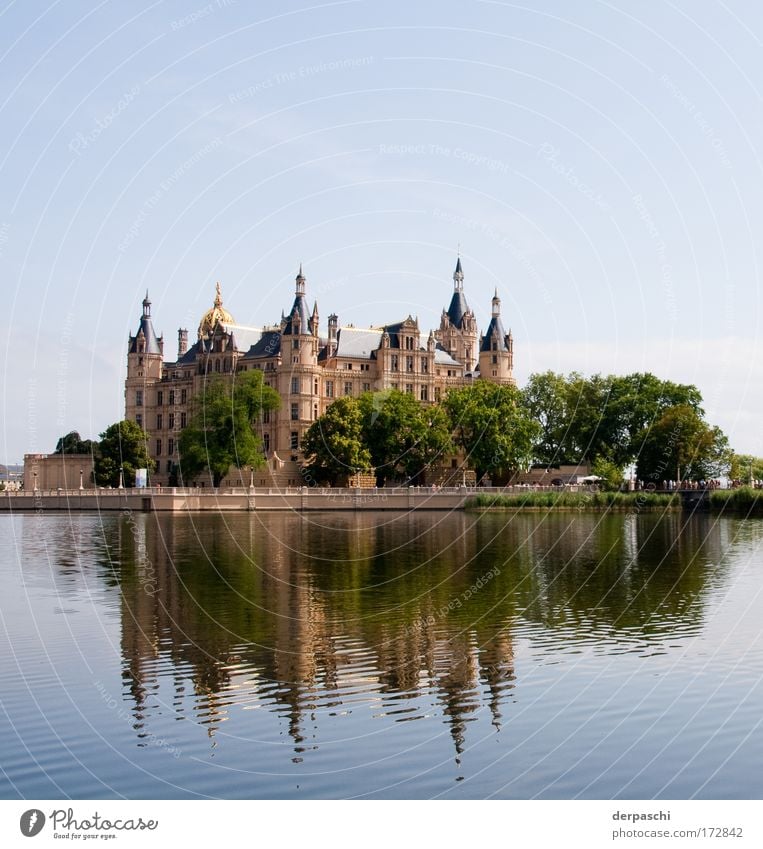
[(403, 436), (640, 399), (123, 445), (334, 446), (72, 443), (611, 474), (492, 425), (221, 432), (742, 465), (600, 418), (546, 397), (682, 446)]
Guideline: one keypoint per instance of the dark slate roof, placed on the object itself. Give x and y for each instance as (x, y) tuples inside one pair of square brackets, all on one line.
[(495, 329), (458, 308), (394, 333), (190, 355), (300, 305), (152, 343), (268, 345)]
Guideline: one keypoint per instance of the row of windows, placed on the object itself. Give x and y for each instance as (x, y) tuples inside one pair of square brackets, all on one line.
[(295, 389), (293, 441), (172, 397), (227, 366), (394, 364), (170, 447), (172, 420)]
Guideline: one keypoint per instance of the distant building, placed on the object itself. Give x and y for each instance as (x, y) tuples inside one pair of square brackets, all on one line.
[(11, 478), (307, 369), (562, 475), (58, 471)]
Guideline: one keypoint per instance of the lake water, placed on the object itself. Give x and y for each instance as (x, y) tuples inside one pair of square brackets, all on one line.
[(537, 655)]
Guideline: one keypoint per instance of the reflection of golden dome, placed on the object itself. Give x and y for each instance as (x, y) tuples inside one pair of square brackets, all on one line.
[(215, 315)]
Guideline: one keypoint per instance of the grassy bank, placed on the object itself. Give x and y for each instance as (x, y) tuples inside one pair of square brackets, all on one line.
[(742, 500), (636, 501)]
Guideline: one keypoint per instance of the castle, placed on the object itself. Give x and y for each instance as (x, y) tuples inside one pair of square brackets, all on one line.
[(308, 370)]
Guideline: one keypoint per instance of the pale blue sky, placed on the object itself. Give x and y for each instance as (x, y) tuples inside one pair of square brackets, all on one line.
[(598, 162)]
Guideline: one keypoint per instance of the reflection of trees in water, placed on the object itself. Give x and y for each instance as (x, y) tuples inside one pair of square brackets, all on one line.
[(619, 575), (304, 614)]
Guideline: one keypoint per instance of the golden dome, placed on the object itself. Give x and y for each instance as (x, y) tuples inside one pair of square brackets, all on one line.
[(214, 316)]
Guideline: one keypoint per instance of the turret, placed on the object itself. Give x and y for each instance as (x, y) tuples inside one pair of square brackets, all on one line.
[(333, 332), (144, 367), (182, 342), (301, 327), (497, 349)]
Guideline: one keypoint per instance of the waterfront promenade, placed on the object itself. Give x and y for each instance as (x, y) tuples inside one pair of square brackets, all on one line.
[(237, 499), (298, 499)]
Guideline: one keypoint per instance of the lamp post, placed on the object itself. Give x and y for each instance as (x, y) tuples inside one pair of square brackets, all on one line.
[(80, 480), (121, 477), (251, 479), (35, 481)]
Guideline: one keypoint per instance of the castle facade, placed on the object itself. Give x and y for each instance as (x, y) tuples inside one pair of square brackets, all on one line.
[(307, 369)]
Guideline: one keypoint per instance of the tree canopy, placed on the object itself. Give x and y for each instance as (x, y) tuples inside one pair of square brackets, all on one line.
[(334, 445), (606, 420), (403, 436), (72, 443), (491, 423), (746, 468), (221, 432), (680, 446), (123, 445)]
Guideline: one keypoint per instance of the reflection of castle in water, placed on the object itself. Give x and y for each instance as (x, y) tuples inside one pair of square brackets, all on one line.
[(255, 621), (303, 618)]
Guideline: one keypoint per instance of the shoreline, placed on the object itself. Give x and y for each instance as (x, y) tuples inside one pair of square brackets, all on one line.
[(177, 500)]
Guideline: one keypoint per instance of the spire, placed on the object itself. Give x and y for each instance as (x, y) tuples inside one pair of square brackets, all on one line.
[(458, 277), (458, 307), (146, 306), (496, 303), (218, 295), (300, 281), (314, 320)]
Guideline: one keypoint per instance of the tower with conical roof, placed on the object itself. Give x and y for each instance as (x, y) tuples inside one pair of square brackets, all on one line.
[(145, 353), (497, 349), (300, 345), (458, 326)]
